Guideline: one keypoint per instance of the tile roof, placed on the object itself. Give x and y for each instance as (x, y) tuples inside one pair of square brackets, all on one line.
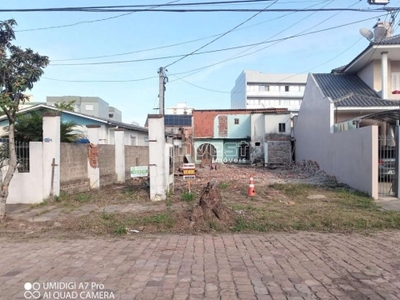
[(350, 91), (393, 40), (102, 120)]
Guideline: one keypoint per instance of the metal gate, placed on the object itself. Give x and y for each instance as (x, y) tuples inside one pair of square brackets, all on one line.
[(387, 166)]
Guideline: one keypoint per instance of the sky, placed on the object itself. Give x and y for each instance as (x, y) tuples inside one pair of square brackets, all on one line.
[(141, 32)]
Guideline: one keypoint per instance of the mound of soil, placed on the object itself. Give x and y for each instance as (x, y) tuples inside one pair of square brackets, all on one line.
[(210, 211)]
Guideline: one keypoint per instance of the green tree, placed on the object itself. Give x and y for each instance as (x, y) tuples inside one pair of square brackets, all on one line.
[(63, 105), (19, 70), (29, 128)]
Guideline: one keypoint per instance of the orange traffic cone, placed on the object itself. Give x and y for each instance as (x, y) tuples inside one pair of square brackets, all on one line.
[(251, 192)]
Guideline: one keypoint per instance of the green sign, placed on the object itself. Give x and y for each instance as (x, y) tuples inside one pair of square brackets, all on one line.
[(142, 171)]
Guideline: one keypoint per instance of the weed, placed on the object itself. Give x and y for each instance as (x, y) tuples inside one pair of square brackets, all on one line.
[(43, 212), (120, 229), (43, 203), (160, 219), (82, 198), (212, 225), (223, 185), (107, 216), (243, 224), (188, 197)]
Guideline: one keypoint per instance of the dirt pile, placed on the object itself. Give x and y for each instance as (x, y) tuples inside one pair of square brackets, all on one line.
[(210, 211)]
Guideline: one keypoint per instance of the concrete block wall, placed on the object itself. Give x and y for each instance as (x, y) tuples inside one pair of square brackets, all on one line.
[(135, 156), (73, 167), (107, 164), (279, 148)]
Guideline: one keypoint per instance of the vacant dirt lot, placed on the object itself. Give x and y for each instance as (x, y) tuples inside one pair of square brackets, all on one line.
[(287, 199)]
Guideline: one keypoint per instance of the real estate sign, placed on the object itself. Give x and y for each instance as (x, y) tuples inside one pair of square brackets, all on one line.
[(189, 171), (140, 171)]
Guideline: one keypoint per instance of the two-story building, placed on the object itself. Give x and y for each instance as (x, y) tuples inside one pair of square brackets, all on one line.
[(242, 136), (346, 119)]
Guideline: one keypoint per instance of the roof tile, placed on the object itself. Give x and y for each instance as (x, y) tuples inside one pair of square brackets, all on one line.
[(350, 91)]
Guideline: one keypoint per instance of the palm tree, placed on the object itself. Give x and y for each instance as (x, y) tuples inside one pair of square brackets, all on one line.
[(28, 128)]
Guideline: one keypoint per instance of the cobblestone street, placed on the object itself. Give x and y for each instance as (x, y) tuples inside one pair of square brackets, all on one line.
[(268, 266)]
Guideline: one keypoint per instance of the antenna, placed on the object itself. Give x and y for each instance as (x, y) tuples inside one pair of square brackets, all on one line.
[(365, 32)]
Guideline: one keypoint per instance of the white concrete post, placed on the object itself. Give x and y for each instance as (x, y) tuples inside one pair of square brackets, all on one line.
[(157, 164), (119, 136), (384, 75), (93, 172), (51, 155)]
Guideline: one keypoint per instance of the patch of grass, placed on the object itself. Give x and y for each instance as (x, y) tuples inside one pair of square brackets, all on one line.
[(82, 198), (355, 199), (213, 225), (223, 185), (43, 212), (242, 224), (340, 210), (107, 216), (188, 197), (120, 229), (161, 219), (293, 190), (43, 203)]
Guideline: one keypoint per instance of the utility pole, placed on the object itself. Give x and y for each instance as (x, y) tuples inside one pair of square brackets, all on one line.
[(163, 79)]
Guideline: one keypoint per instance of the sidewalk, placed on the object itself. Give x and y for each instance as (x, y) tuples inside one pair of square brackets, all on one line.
[(270, 266)]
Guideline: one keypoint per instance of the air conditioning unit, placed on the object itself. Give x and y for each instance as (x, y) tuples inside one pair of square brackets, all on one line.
[(380, 2)]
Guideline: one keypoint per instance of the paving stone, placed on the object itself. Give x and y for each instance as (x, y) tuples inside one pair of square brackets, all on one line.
[(271, 266)]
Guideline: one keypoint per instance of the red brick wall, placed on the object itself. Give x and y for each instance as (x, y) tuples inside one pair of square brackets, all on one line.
[(203, 120), (222, 125)]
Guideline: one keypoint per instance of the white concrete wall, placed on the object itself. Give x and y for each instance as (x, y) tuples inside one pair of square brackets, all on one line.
[(238, 93), (351, 156), (272, 123), (26, 188), (367, 74), (257, 127), (51, 151), (157, 158)]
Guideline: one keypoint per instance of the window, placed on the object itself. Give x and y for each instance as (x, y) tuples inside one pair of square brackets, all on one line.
[(258, 144), (395, 81), (286, 88), (236, 121), (111, 115), (282, 127), (264, 88)]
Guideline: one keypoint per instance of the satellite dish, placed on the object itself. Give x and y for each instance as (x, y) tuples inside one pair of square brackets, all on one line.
[(365, 32)]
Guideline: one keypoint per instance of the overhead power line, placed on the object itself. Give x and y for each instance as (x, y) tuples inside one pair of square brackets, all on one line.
[(218, 50), (96, 81), (93, 21), (269, 39), (211, 65), (282, 39), (186, 42), (239, 54), (169, 5), (242, 10), (221, 36)]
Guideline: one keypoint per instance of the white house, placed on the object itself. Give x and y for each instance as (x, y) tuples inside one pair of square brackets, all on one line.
[(133, 135), (336, 125)]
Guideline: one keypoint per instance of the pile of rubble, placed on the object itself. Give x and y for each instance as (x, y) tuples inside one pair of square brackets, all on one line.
[(310, 170)]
